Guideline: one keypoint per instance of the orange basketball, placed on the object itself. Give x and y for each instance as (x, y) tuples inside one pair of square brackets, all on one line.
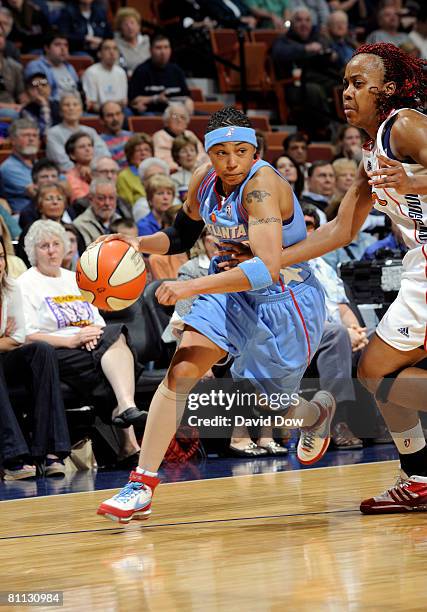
[(111, 275)]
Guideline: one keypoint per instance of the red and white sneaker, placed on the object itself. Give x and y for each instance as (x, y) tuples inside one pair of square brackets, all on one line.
[(133, 501), (314, 440), (409, 494)]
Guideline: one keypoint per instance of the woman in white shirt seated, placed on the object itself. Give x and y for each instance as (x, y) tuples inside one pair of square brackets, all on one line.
[(35, 366), (91, 355)]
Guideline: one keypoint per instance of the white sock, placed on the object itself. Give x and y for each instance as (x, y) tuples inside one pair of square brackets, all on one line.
[(410, 441), (307, 411), (139, 470)]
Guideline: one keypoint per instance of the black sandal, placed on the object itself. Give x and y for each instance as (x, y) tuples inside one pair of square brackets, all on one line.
[(131, 416)]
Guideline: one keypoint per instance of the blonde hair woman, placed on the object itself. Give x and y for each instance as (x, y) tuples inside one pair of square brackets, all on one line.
[(15, 265)]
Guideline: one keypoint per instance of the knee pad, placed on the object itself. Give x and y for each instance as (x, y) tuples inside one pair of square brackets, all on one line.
[(383, 390)]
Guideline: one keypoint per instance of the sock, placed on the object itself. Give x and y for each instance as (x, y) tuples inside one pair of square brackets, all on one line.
[(139, 470), (412, 449)]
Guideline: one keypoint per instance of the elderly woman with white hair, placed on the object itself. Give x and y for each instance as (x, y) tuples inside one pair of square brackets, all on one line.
[(91, 355), (176, 119)]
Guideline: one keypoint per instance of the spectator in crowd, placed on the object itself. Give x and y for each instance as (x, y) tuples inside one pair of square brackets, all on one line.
[(318, 9), (348, 143), (71, 257), (30, 24), (105, 81), (15, 265), (129, 186), (41, 108), (269, 13), (157, 81), (176, 119), (96, 220), (85, 24), (295, 146), (389, 24), (11, 83), (114, 136), (340, 40), (79, 148), (61, 75), (418, 35), (303, 47), (91, 355), (43, 172), (104, 167), (127, 227), (357, 10), (134, 47), (35, 366), (342, 336), (160, 196), (6, 25), (229, 14), (321, 186), (71, 109), (15, 171), (391, 245), (184, 154), (345, 175), (51, 202), (148, 168), (291, 171)]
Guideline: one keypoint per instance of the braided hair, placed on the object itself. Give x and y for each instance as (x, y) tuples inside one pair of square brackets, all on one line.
[(227, 116), (409, 74)]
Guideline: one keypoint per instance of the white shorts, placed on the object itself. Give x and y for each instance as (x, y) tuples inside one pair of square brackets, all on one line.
[(404, 325)]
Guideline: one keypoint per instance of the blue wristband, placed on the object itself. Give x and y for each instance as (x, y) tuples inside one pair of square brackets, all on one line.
[(257, 273)]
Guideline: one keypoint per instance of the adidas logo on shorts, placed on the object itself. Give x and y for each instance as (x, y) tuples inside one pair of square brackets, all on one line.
[(404, 331)]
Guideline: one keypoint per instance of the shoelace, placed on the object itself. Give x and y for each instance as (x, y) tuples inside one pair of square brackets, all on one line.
[(308, 440), (130, 490)]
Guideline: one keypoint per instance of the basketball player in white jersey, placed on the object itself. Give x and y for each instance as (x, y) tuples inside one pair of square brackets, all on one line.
[(384, 91)]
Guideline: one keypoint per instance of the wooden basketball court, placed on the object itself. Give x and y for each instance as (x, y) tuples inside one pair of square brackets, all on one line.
[(284, 541)]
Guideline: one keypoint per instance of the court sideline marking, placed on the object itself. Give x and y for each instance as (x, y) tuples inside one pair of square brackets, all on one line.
[(208, 521)]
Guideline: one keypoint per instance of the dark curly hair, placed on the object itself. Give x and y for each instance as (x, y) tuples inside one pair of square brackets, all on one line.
[(227, 116), (409, 74)]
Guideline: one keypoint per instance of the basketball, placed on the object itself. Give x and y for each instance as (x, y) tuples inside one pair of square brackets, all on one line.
[(111, 275)]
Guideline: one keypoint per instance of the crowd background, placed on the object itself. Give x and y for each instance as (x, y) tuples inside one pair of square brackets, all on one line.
[(103, 107)]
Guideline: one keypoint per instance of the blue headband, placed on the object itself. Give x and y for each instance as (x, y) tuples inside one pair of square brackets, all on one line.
[(232, 133)]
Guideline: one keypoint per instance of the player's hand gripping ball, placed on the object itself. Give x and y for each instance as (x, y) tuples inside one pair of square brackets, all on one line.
[(111, 275)]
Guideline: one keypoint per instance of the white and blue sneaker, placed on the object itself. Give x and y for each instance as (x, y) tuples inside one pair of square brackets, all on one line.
[(133, 501), (314, 440)]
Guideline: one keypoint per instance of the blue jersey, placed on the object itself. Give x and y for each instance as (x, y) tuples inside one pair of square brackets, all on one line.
[(227, 220)]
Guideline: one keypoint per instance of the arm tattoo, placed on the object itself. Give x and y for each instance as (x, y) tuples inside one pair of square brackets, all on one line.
[(257, 196), (265, 221)]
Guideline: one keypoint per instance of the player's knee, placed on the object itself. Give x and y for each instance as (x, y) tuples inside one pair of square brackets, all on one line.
[(182, 376), (367, 377)]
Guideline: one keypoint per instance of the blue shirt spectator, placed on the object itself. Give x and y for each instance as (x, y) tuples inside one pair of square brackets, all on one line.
[(390, 242), (15, 175), (61, 75), (148, 225)]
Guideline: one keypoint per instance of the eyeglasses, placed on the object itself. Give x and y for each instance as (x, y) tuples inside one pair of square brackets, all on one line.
[(39, 83), (177, 116)]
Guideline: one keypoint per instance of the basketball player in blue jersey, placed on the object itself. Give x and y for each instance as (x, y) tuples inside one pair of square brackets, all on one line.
[(383, 90), (270, 322)]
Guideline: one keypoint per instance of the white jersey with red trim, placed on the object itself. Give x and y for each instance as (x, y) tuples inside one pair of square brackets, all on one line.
[(409, 211), (404, 326)]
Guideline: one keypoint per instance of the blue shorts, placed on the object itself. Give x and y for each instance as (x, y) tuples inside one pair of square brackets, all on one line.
[(271, 337)]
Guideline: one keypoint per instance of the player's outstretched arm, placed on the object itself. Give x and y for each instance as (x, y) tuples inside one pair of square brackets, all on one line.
[(352, 213), (188, 226)]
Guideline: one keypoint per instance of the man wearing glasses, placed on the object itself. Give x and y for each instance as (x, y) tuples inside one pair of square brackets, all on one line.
[(40, 109)]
